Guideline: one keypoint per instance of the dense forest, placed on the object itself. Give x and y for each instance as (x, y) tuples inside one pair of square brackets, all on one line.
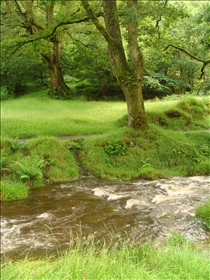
[(101, 50)]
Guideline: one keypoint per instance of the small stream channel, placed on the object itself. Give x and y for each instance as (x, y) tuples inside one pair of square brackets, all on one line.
[(141, 210)]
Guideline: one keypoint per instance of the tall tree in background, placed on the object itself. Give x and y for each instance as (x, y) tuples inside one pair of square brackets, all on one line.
[(34, 23), (41, 24), (129, 74)]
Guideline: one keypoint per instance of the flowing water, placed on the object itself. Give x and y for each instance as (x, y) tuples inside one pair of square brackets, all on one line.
[(140, 210)]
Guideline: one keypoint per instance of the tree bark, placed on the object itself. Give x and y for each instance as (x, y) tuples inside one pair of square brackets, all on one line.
[(129, 75), (58, 86)]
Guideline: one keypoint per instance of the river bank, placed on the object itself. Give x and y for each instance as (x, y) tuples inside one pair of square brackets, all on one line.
[(145, 200), (141, 211)]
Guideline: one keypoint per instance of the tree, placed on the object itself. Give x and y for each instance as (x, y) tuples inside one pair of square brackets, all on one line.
[(189, 50), (84, 59), (41, 24), (35, 22), (127, 70)]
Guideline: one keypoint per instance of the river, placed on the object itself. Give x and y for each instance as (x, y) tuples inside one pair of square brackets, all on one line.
[(47, 221)]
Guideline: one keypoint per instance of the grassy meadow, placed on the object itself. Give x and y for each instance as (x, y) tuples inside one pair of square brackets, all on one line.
[(176, 143), (36, 114)]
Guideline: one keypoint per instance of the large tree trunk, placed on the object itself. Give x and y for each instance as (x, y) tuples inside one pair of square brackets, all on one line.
[(58, 87), (135, 106), (129, 75)]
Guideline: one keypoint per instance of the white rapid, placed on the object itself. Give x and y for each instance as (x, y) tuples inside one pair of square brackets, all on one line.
[(141, 210)]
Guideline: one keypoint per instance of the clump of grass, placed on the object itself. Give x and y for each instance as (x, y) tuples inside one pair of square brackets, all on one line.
[(113, 155), (203, 213), (186, 114), (30, 171), (176, 260), (13, 190)]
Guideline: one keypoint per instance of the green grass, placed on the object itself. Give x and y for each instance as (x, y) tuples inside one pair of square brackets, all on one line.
[(38, 162), (176, 143), (203, 213), (13, 190), (151, 154), (174, 261), (38, 115)]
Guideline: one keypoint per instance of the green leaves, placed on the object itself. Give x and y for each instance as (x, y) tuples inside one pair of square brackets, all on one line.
[(30, 170), (115, 148)]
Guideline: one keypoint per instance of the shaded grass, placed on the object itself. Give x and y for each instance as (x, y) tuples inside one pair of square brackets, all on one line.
[(176, 260)]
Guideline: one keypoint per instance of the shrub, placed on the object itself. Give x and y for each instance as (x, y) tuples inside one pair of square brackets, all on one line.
[(4, 93)]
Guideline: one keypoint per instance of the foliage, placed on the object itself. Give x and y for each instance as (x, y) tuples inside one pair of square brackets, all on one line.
[(4, 93), (39, 162), (115, 148), (29, 170), (83, 54), (15, 145), (3, 161), (203, 213), (73, 145)]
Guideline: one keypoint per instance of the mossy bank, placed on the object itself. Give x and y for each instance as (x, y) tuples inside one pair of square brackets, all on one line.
[(176, 144)]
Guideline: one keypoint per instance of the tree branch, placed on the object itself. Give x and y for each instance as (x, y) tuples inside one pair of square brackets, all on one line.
[(95, 20), (84, 19), (205, 62), (160, 18), (37, 38)]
